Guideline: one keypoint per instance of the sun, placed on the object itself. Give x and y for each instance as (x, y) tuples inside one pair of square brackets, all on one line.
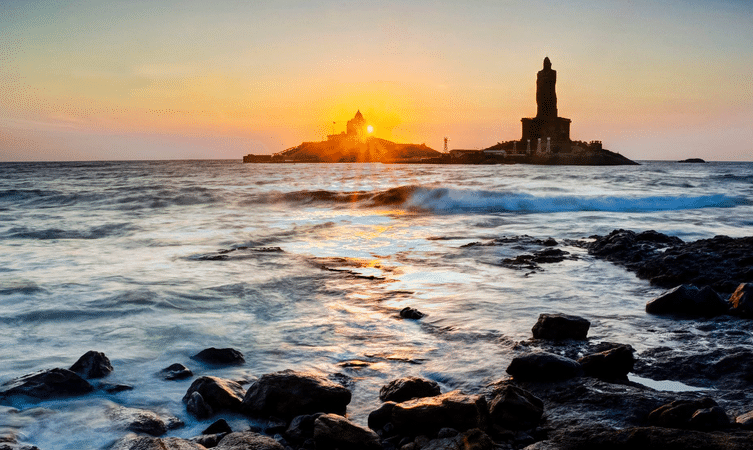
[(370, 129)]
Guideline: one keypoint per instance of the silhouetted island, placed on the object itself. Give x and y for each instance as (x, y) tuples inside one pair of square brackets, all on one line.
[(545, 140)]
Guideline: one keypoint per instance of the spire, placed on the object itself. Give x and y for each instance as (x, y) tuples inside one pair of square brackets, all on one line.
[(547, 63)]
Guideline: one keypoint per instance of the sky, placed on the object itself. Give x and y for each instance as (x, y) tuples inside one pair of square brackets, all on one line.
[(135, 80)]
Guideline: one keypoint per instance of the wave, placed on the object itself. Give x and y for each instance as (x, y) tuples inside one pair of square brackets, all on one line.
[(449, 201), (102, 231)]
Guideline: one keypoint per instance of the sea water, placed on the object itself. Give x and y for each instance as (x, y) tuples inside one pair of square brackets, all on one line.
[(306, 266)]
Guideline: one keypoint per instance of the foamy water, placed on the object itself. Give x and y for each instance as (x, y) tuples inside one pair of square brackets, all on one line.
[(150, 262)]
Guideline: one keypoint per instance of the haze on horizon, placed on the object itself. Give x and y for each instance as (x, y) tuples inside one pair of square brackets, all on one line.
[(96, 80)]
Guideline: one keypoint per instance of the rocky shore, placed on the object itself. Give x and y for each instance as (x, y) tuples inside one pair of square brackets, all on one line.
[(561, 390)]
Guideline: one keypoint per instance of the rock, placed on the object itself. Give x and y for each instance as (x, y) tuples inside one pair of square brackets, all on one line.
[(692, 160), (301, 428), (288, 394), (197, 406), (218, 393), (176, 372), (46, 385), (218, 427), (745, 420), (220, 356), (741, 301), (411, 313), (474, 439), (142, 420), (688, 300), (447, 432), (111, 388), (613, 364), (208, 440), (430, 414), (403, 389), (248, 440), (133, 442), (92, 365), (275, 425), (380, 416), (560, 326), (333, 431), (543, 366), (550, 242), (681, 413), (514, 408), (649, 438)]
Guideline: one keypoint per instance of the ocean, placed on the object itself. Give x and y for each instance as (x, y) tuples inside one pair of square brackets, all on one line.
[(306, 266)]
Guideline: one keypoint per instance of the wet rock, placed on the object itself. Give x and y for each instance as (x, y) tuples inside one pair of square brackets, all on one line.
[(447, 432), (688, 300), (218, 393), (430, 414), (411, 313), (176, 372), (381, 416), (560, 326), (703, 414), (197, 406), (220, 356), (543, 366), (403, 389), (549, 242), (92, 365), (474, 439), (218, 427), (248, 440), (301, 428), (133, 442), (46, 384), (333, 431), (111, 388), (275, 425), (613, 364), (288, 394), (741, 301), (514, 408), (142, 420), (649, 438), (208, 440), (745, 420)]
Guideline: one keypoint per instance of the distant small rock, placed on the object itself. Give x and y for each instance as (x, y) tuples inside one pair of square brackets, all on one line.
[(92, 365), (403, 389), (692, 160), (560, 326), (220, 356), (543, 366), (176, 372), (411, 313)]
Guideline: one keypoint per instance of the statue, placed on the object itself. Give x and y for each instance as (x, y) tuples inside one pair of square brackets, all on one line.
[(546, 97)]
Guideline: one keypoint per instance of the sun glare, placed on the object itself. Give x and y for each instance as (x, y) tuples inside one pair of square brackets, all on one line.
[(370, 129)]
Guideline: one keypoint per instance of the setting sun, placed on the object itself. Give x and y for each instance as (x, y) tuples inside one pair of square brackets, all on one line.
[(370, 129)]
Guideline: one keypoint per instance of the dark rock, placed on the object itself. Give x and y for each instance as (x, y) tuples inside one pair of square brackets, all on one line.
[(132, 442), (550, 242), (713, 418), (411, 313), (745, 420), (648, 438), (114, 388), (531, 261), (218, 393), (92, 365), (613, 364), (543, 366), (741, 301), (430, 414), (514, 408), (688, 300), (275, 425), (218, 427), (220, 356), (176, 372), (692, 160), (208, 440), (333, 431), (288, 394), (248, 440), (301, 428), (473, 439), (380, 416), (142, 420), (407, 388), (447, 432), (681, 413), (560, 326), (197, 406), (46, 385)]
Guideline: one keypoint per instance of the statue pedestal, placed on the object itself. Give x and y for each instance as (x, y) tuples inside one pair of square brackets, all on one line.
[(557, 128)]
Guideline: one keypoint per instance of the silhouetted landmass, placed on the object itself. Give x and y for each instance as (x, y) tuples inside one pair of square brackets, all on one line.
[(692, 160)]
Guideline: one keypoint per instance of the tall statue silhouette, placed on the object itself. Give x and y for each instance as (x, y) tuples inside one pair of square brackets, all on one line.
[(546, 97)]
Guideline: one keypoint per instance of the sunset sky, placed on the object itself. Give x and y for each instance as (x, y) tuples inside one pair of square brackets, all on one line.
[(120, 80)]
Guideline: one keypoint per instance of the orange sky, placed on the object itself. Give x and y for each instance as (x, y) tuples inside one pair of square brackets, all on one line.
[(130, 80)]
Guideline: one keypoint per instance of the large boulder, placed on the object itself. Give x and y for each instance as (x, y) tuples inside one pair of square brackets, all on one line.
[(46, 385), (689, 301), (218, 393), (288, 394), (248, 440), (543, 366), (741, 301), (333, 431), (514, 408), (703, 414), (430, 414), (132, 442), (612, 364), (92, 365), (560, 326), (403, 389), (220, 356)]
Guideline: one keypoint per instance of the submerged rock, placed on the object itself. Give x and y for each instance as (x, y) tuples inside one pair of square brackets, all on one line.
[(411, 313), (612, 364), (403, 389), (46, 385), (333, 431), (543, 366), (248, 440), (430, 414), (288, 394), (217, 393), (176, 372), (220, 356), (688, 300), (92, 365), (560, 326)]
